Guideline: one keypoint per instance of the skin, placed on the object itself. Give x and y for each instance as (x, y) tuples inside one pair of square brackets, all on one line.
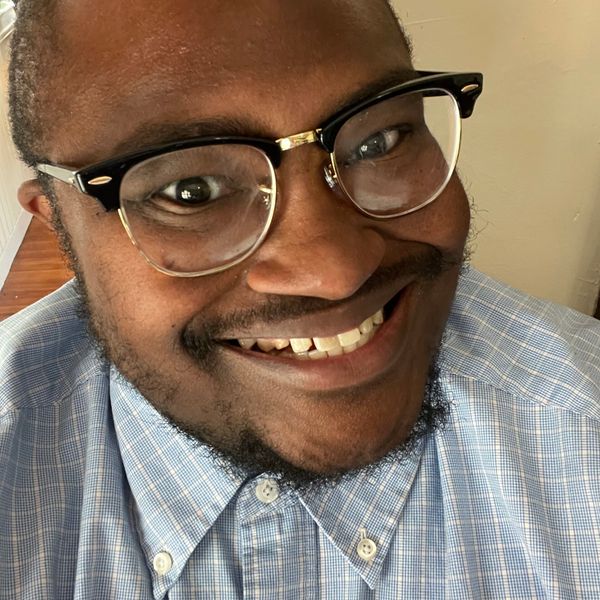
[(321, 257)]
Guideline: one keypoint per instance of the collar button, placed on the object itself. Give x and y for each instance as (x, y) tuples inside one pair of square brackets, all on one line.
[(267, 491), (162, 563), (367, 549)]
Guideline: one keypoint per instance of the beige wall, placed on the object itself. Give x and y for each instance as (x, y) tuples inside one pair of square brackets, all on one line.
[(531, 153), (13, 220)]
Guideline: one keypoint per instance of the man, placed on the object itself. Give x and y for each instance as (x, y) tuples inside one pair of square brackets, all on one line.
[(264, 382)]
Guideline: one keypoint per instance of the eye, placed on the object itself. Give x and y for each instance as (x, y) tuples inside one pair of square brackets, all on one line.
[(380, 144), (193, 191)]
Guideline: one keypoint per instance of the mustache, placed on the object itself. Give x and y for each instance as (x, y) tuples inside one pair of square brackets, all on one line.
[(201, 343)]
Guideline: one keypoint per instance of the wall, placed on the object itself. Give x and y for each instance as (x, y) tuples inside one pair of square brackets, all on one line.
[(531, 152), (13, 220)]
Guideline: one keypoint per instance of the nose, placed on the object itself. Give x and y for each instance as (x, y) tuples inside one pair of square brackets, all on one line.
[(319, 245)]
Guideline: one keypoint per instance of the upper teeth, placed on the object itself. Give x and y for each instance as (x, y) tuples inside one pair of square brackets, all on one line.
[(321, 347)]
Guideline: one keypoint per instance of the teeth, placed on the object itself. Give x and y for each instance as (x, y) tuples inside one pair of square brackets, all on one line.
[(365, 338), (280, 344), (366, 326), (335, 351), (300, 345), (349, 338), (266, 345), (247, 344), (321, 347), (326, 343)]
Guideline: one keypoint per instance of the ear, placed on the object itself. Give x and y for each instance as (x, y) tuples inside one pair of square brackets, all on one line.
[(33, 200)]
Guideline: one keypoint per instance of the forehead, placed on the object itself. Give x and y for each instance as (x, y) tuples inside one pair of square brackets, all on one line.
[(283, 64)]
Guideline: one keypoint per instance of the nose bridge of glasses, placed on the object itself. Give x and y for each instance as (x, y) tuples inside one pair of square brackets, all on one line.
[(299, 139), (309, 137)]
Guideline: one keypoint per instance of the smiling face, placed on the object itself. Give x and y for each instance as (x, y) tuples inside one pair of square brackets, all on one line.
[(324, 268)]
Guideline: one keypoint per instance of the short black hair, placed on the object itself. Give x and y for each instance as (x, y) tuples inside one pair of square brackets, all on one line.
[(35, 46)]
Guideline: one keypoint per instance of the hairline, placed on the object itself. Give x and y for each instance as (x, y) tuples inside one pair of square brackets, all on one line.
[(34, 38)]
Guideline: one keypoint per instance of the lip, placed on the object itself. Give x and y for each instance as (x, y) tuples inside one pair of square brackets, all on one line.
[(341, 318), (340, 372)]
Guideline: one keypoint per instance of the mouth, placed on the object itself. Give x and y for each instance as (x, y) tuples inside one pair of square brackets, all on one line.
[(320, 347)]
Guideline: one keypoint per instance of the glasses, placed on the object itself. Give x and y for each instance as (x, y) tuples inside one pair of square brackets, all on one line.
[(204, 205)]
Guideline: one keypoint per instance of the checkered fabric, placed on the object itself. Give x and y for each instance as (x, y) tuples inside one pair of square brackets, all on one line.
[(101, 499)]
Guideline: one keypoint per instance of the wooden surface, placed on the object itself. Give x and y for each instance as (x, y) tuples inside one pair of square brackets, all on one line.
[(38, 269)]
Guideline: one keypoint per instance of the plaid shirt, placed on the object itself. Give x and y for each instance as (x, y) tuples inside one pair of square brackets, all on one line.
[(100, 498)]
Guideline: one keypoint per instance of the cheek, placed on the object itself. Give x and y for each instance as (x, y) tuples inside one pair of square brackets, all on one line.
[(451, 216), (126, 295), (443, 224)]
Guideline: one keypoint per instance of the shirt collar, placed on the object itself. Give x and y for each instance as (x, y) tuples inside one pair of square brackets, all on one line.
[(180, 491), (365, 506)]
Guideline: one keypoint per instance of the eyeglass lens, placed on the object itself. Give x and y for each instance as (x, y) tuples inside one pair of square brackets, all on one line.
[(201, 209), (398, 155)]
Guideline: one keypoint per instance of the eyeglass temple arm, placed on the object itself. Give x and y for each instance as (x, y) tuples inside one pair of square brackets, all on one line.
[(105, 190), (61, 173)]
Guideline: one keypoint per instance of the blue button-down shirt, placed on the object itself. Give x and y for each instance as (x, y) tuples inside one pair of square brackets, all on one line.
[(101, 498)]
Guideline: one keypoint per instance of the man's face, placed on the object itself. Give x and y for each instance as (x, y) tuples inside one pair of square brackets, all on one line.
[(278, 68)]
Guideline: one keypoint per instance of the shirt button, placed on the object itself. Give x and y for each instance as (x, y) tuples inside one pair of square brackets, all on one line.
[(367, 549), (267, 491), (162, 563)]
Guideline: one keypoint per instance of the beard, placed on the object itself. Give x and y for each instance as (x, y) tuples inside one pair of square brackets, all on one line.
[(245, 454), (248, 455)]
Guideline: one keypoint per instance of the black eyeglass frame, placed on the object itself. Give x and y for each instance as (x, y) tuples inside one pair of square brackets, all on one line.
[(103, 180)]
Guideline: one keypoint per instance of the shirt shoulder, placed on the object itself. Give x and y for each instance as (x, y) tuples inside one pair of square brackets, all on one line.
[(61, 479), (524, 346), (45, 353)]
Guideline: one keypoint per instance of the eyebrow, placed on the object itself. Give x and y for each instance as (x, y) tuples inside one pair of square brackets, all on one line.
[(150, 135)]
